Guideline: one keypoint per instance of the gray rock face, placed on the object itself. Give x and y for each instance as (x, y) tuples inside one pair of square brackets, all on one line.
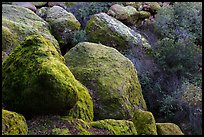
[(116, 33)]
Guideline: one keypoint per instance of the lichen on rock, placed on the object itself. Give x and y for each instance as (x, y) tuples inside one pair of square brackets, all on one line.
[(13, 123), (144, 122), (116, 127), (117, 35), (110, 78), (168, 129)]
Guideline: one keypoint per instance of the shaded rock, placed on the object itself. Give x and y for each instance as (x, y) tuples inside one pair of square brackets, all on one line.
[(63, 24), (168, 129), (110, 77), (117, 35), (18, 23), (116, 127), (42, 12), (152, 7), (144, 122), (13, 123), (28, 5), (36, 81)]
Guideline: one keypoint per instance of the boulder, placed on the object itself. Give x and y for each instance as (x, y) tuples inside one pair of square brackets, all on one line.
[(128, 15), (42, 12), (152, 7), (13, 123), (110, 77), (62, 23), (144, 122), (28, 5), (18, 23), (35, 80), (168, 129), (116, 127), (117, 34)]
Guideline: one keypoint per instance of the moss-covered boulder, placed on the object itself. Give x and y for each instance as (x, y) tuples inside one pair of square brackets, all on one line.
[(18, 23), (168, 129), (13, 123), (117, 34), (110, 77), (128, 15), (35, 80), (144, 14), (116, 127), (144, 122), (63, 23)]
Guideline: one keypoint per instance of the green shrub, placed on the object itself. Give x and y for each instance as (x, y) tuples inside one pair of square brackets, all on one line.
[(182, 21), (175, 57), (79, 36), (184, 106)]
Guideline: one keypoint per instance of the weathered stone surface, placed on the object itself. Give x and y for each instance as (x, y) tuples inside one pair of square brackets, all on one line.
[(144, 122), (18, 23), (117, 34), (168, 129), (110, 77)]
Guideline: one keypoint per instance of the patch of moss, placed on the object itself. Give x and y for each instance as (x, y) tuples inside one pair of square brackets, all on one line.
[(116, 127), (82, 127), (84, 106), (35, 79), (168, 129), (13, 123), (59, 131), (110, 77), (144, 122)]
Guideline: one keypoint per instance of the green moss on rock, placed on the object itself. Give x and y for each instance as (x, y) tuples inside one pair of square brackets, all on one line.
[(35, 79), (116, 127), (19, 22), (13, 123), (117, 35), (168, 129), (144, 122), (62, 23), (110, 77)]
